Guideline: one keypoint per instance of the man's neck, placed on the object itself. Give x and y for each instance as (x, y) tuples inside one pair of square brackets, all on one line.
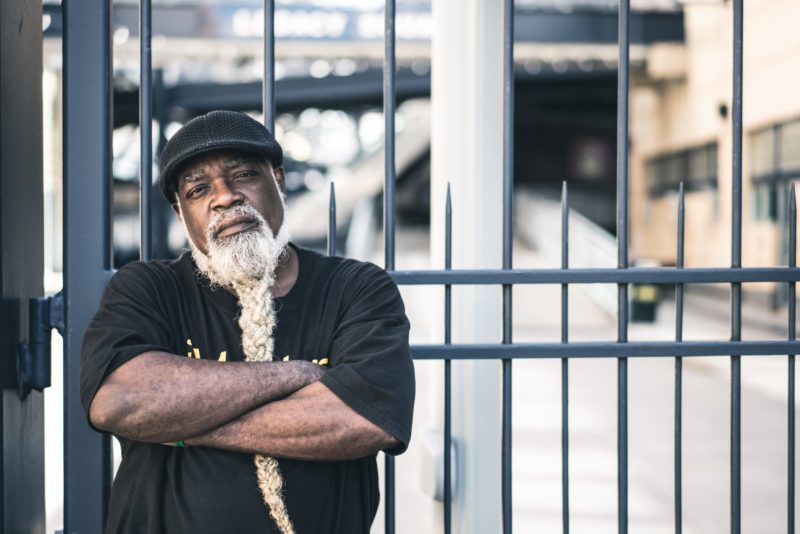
[(286, 274)]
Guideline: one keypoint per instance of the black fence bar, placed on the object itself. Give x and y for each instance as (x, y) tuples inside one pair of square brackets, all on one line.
[(603, 349), (736, 262), (145, 129), (736, 439), (564, 363), (389, 90), (87, 245), (792, 336), (631, 275), (268, 88), (508, 235), (448, 303), (623, 81), (679, 366), (782, 199), (332, 222)]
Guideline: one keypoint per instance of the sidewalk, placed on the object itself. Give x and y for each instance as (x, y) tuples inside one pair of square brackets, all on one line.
[(593, 419)]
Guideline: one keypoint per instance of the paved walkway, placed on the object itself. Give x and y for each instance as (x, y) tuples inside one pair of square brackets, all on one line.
[(593, 420)]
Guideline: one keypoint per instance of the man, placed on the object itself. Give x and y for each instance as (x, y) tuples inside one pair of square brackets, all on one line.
[(251, 382)]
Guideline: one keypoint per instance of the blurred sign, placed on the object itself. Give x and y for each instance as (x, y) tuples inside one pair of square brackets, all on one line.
[(414, 23)]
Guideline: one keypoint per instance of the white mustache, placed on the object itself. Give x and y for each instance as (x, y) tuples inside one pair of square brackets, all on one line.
[(244, 210)]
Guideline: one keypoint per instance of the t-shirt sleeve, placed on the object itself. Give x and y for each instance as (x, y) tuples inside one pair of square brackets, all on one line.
[(129, 322), (372, 371)]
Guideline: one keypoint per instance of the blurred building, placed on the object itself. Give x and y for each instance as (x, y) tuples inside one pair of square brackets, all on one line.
[(681, 131), (329, 59)]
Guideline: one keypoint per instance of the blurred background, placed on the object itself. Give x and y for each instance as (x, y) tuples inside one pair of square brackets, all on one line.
[(329, 66)]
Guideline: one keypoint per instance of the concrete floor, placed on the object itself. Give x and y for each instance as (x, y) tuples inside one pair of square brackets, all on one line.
[(537, 503)]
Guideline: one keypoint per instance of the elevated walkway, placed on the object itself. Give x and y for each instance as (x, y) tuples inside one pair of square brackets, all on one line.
[(538, 223)]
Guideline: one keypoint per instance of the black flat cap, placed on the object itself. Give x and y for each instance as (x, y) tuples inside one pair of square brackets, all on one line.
[(216, 130)]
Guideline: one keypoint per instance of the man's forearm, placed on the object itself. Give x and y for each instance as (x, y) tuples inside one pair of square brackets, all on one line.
[(158, 397), (312, 424)]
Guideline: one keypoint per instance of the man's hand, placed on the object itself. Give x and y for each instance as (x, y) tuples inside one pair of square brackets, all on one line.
[(158, 397), (311, 424)]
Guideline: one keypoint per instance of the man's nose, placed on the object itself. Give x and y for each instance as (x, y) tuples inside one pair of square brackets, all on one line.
[(225, 195)]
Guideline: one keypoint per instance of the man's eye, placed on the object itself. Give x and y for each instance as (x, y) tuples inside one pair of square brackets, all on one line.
[(245, 174), (196, 191)]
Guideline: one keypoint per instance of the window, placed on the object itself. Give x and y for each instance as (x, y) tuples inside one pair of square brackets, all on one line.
[(774, 162), (790, 148), (696, 167)]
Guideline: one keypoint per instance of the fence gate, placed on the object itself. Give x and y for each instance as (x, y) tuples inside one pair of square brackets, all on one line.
[(87, 266), (21, 265)]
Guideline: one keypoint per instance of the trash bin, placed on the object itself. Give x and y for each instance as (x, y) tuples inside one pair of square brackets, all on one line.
[(644, 300)]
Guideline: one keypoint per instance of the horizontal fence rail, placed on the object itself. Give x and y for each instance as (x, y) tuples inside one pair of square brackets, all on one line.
[(608, 349), (630, 275)]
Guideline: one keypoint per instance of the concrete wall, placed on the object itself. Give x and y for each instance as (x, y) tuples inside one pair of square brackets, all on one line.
[(675, 104)]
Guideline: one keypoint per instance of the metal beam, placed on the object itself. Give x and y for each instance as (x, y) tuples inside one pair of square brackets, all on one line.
[(602, 349), (22, 505), (87, 245), (631, 275)]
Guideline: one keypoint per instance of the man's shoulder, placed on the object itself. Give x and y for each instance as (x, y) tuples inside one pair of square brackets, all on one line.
[(151, 272), (341, 268)]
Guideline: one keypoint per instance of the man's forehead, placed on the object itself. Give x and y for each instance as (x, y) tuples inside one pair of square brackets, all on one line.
[(227, 160)]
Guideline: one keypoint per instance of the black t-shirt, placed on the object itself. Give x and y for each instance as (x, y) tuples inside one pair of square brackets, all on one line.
[(348, 311)]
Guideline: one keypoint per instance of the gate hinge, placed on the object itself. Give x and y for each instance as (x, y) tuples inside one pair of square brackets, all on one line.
[(33, 357)]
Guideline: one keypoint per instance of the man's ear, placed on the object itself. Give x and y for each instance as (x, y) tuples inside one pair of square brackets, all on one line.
[(280, 179), (177, 209)]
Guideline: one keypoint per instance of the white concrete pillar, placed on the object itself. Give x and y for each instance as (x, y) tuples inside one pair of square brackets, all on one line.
[(467, 151)]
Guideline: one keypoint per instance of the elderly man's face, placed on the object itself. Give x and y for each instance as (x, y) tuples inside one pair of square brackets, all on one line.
[(218, 181)]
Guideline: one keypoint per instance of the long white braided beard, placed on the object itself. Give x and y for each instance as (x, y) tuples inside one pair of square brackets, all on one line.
[(246, 262)]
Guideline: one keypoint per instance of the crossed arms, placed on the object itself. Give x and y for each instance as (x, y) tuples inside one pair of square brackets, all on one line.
[(278, 409)]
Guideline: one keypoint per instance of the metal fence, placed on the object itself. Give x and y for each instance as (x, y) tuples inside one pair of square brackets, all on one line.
[(87, 265)]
